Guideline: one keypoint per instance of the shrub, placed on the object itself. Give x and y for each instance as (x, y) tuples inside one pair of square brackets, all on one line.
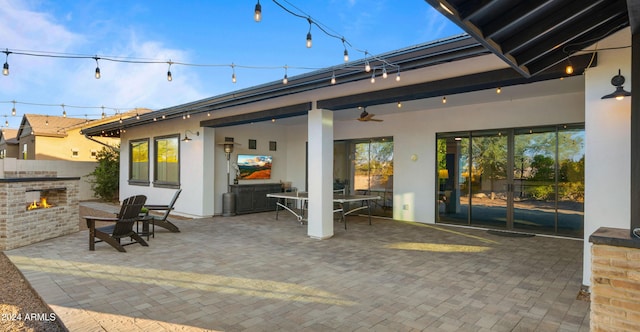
[(106, 177)]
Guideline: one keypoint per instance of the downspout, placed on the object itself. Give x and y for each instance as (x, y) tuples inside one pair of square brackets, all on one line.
[(101, 143)]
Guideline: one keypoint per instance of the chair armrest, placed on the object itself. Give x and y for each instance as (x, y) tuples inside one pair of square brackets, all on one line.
[(158, 207), (106, 219)]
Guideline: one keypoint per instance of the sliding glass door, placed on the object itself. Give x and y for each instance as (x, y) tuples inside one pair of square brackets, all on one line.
[(524, 179), (365, 166)]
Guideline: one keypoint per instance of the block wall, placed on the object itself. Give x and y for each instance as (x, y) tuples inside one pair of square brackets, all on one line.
[(615, 288)]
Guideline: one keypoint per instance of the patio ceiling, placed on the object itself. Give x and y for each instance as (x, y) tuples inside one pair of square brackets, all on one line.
[(532, 36)]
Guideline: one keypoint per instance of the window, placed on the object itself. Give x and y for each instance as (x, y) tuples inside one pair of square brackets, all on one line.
[(139, 162), (24, 151), (74, 153), (167, 163), (94, 153)]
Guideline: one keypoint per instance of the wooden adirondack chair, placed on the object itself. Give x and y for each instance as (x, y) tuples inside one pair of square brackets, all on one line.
[(122, 225), (161, 220)]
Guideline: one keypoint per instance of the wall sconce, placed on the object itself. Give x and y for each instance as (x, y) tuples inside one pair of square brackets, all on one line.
[(620, 93), (186, 138)]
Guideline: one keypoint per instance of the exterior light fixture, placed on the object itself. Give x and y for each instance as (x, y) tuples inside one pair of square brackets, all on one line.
[(169, 76), (620, 92), (186, 137), (13, 110), (333, 78)]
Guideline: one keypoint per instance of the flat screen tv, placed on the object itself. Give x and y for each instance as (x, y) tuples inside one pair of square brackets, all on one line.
[(254, 167)]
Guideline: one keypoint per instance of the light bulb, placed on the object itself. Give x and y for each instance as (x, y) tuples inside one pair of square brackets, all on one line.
[(498, 90), (619, 97), (399, 104), (367, 66), (569, 69), (64, 114), (258, 12), (398, 77), (13, 111), (444, 100), (346, 55), (5, 69), (285, 79), (309, 42), (333, 78), (169, 77), (373, 77), (384, 72), (233, 78), (98, 73)]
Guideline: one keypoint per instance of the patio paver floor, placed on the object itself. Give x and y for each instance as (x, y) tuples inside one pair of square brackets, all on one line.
[(255, 273)]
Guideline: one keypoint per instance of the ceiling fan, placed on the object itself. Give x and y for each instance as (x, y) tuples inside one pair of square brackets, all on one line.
[(365, 116)]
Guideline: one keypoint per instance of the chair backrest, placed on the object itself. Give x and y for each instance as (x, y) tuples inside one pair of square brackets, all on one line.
[(129, 213), (171, 204)]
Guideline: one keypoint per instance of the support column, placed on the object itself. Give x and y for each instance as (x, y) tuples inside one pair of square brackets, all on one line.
[(320, 164)]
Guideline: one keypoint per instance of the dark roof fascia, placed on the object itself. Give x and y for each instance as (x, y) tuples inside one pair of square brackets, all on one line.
[(455, 85), (429, 54), (271, 114)]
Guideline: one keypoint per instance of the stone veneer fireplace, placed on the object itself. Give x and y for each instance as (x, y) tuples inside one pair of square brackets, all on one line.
[(20, 225)]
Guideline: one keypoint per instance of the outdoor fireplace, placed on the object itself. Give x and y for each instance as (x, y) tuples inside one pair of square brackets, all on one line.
[(37, 208)]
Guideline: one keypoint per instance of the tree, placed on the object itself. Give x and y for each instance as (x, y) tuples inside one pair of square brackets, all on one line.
[(106, 176)]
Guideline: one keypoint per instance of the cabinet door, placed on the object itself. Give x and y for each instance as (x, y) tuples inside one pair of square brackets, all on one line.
[(244, 199), (260, 198)]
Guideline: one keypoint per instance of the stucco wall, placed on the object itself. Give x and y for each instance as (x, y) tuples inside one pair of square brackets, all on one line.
[(608, 144)]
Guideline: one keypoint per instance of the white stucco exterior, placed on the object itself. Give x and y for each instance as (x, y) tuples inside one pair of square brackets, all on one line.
[(203, 173)]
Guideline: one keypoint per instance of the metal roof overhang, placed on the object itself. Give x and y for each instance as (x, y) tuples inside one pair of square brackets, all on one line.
[(532, 36), (414, 57)]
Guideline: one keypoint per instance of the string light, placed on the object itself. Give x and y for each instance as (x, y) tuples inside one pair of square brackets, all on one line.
[(333, 78), (5, 67), (309, 42), (498, 90), (233, 74), (569, 68), (169, 76), (444, 100), (97, 68), (346, 53), (285, 79), (399, 104), (13, 110), (257, 13), (373, 77), (384, 72), (64, 112), (398, 75)]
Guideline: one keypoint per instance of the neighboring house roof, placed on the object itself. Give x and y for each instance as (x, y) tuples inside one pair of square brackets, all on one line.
[(10, 136), (533, 35), (47, 125), (57, 126)]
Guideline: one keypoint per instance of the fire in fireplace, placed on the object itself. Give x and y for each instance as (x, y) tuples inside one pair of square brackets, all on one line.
[(42, 204), (45, 198)]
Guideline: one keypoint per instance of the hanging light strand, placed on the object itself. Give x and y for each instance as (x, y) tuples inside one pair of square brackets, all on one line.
[(325, 29)]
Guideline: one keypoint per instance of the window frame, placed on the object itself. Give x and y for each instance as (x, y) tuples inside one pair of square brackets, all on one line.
[(139, 182), (166, 184)]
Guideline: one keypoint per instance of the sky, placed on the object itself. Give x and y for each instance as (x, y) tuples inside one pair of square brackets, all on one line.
[(207, 36)]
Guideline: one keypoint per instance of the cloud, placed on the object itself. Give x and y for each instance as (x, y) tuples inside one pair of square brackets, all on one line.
[(47, 80)]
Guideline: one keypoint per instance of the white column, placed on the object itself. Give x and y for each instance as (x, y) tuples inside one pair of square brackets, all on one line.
[(320, 167)]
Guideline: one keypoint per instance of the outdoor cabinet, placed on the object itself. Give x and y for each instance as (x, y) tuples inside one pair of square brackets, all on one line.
[(251, 198)]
